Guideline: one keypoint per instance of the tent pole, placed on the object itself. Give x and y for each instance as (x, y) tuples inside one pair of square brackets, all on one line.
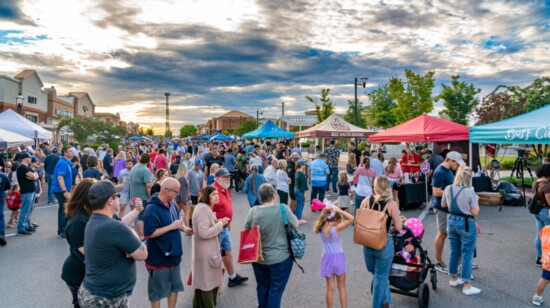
[(470, 158)]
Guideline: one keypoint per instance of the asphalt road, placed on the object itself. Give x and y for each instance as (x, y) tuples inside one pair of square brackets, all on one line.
[(30, 267)]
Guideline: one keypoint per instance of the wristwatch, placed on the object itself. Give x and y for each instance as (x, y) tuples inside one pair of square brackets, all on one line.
[(63, 191)]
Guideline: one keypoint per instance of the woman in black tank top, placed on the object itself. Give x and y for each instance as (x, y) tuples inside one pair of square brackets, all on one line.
[(379, 261)]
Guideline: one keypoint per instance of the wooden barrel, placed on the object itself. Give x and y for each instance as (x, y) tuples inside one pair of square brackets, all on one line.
[(489, 198)]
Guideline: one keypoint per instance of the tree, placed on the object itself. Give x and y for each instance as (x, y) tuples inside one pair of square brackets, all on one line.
[(141, 131), (326, 108), (361, 110), (188, 130), (149, 131), (413, 97), (459, 99), (246, 126), (104, 132), (380, 112), (168, 134)]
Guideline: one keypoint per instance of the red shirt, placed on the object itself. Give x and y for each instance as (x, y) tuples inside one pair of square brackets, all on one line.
[(224, 206), (410, 159), (161, 162)]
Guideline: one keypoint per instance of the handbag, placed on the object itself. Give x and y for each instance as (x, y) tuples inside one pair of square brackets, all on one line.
[(250, 248), (370, 226), (296, 239)]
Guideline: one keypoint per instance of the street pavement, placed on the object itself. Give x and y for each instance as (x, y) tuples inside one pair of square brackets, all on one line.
[(31, 266)]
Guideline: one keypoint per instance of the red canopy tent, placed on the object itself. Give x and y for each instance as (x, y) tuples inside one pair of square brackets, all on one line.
[(424, 128)]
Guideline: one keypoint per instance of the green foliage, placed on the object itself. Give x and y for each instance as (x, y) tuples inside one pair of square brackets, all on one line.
[(361, 110), (83, 128), (459, 99), (361, 146), (326, 108), (188, 130), (413, 97), (149, 131), (537, 94), (168, 134), (380, 111), (246, 126), (141, 131), (528, 182), (306, 144)]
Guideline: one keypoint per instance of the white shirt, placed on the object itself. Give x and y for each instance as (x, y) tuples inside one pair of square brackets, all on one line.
[(270, 175), (377, 166), (282, 180)]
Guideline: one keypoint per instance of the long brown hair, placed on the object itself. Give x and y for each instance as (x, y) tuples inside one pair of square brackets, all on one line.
[(78, 202), (391, 165), (324, 219), (205, 194)]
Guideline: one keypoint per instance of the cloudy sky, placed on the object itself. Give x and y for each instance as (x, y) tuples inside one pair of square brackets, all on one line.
[(220, 55)]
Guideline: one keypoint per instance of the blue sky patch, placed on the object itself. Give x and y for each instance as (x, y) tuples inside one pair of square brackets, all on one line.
[(12, 36)]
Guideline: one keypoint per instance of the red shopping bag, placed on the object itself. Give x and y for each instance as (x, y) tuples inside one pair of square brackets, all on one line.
[(250, 249)]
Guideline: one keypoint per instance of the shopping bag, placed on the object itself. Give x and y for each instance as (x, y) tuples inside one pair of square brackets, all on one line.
[(250, 249)]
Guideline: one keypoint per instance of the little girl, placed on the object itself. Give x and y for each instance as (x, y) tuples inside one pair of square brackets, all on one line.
[(343, 190), (333, 263), (213, 169), (13, 200)]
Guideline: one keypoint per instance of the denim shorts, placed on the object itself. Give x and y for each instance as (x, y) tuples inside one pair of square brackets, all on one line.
[(225, 240), (545, 274)]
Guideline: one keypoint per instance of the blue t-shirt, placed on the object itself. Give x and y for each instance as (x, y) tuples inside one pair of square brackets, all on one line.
[(63, 168), (230, 162), (442, 177), (319, 171), (92, 173)]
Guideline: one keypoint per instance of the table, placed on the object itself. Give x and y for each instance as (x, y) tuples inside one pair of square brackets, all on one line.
[(482, 183), (412, 195)]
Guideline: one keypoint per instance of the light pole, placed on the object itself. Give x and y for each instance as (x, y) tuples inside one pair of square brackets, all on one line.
[(258, 113), (167, 129), (19, 102), (363, 83)]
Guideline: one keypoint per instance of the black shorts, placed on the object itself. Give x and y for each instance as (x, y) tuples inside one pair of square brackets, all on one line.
[(194, 200), (291, 192)]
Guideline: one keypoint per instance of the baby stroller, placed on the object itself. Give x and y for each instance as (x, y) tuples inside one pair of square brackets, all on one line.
[(408, 273)]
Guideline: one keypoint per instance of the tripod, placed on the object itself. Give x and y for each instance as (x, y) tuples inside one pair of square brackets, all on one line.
[(518, 168)]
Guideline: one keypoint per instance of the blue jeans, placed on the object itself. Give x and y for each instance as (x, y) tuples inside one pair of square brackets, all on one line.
[(379, 265), (49, 180), (27, 203), (462, 244), (318, 191), (2, 221), (300, 200), (542, 220), (271, 281), (332, 177), (357, 201), (61, 217)]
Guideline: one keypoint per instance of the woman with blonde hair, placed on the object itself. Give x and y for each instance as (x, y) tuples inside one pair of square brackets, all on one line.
[(395, 175), (283, 182), (183, 196), (119, 163), (379, 261), (461, 200)]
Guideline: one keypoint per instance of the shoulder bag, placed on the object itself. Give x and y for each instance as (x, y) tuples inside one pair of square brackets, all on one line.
[(296, 239)]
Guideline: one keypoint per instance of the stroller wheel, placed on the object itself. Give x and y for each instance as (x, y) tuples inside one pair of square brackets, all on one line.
[(423, 296), (433, 279)]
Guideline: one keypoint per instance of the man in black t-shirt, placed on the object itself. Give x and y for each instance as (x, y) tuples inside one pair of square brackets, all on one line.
[(213, 158), (354, 150), (26, 177), (111, 249)]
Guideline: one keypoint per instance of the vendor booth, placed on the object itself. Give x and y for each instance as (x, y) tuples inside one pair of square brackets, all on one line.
[(334, 127), (13, 122), (9, 139), (268, 130)]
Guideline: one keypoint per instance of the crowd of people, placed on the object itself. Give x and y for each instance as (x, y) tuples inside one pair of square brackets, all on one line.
[(133, 203)]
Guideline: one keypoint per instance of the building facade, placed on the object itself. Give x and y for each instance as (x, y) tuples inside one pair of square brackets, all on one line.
[(224, 123), (27, 85)]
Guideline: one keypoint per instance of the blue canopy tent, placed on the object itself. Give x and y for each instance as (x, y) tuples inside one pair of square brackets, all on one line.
[(135, 138), (205, 137), (269, 130), (220, 137), (529, 128)]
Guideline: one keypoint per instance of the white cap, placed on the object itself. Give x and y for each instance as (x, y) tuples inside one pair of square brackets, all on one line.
[(456, 157)]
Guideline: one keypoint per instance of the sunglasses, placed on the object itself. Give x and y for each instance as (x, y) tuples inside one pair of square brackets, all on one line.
[(117, 195)]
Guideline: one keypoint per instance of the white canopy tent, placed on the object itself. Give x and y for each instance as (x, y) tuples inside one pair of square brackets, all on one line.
[(9, 139), (13, 122)]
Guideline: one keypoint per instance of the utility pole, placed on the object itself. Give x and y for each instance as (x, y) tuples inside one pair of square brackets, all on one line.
[(167, 129), (283, 107), (363, 83)]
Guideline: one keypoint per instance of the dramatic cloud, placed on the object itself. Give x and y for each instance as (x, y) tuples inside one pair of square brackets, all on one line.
[(216, 56)]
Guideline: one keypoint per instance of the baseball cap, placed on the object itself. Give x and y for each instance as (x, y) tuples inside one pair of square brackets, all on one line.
[(453, 155), (197, 162), (34, 160), (301, 162), (55, 150), (101, 191), (24, 155), (222, 172)]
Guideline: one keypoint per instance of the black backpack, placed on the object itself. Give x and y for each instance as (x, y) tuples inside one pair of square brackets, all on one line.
[(535, 206)]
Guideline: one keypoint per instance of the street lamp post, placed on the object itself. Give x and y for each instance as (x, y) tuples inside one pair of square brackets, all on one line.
[(362, 83), (258, 113), (19, 102), (167, 129)]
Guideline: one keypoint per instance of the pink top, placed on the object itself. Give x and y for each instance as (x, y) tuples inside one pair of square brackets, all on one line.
[(361, 171), (161, 162), (396, 175)]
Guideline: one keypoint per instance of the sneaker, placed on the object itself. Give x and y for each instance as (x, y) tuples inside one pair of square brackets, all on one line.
[(456, 283), (3, 241), (61, 236), (31, 229), (474, 265), (442, 267), (538, 262), (236, 281), (24, 232), (537, 300), (34, 225), (471, 291), (303, 221)]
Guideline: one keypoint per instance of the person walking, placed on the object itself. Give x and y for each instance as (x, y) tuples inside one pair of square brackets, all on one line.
[(26, 177), (108, 163), (224, 209), (111, 249), (395, 175), (195, 177), (300, 189), (283, 181), (182, 199), (161, 228), (542, 194), (379, 261), (461, 200), (318, 171), (49, 165), (363, 180), (206, 260), (119, 164), (273, 272), (270, 173), (251, 185), (332, 155), (230, 163), (141, 181), (442, 177)]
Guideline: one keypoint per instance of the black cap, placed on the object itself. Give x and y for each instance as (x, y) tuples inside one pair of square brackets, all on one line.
[(101, 191), (24, 155), (222, 172)]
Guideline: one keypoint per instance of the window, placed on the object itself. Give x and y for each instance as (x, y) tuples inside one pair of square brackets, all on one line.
[(32, 100), (32, 118)]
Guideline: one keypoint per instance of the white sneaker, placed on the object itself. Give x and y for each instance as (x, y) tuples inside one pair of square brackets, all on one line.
[(537, 300), (471, 291), (456, 283)]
